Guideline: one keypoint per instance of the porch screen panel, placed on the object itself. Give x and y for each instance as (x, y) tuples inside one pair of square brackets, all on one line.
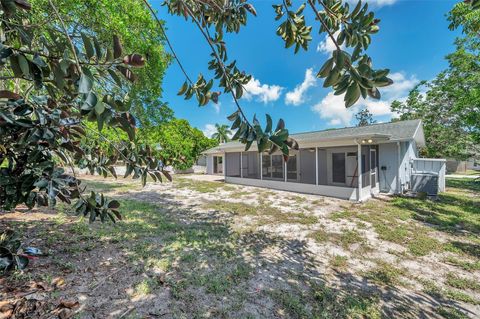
[(278, 167), (322, 167), (232, 164), (307, 166), (292, 168), (266, 170), (251, 165), (338, 167), (365, 165)]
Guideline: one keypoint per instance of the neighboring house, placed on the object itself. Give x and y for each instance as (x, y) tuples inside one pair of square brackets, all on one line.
[(327, 162), (455, 166)]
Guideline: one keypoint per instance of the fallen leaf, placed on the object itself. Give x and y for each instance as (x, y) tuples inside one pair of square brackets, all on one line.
[(69, 304), (65, 313), (58, 282)]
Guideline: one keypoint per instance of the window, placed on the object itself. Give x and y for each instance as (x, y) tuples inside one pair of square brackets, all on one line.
[(250, 165), (273, 167), (338, 168), (232, 164)]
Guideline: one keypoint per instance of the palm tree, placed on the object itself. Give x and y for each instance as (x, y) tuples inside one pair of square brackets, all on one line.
[(222, 133)]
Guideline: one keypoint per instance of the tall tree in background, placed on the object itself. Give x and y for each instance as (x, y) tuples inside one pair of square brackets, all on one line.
[(178, 141), (449, 105), (223, 133), (364, 118), (132, 23)]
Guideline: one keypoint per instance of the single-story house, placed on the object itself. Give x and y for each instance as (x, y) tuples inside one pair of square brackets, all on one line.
[(327, 162)]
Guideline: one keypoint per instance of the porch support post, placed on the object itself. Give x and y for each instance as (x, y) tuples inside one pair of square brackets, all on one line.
[(359, 170), (316, 165), (241, 164), (224, 165), (261, 166)]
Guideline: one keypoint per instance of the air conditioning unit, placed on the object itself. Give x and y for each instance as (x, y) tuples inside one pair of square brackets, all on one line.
[(425, 182)]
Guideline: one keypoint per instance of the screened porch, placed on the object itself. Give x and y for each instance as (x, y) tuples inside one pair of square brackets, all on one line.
[(332, 171)]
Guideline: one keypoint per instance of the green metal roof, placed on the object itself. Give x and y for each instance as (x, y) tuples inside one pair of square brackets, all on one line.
[(393, 131)]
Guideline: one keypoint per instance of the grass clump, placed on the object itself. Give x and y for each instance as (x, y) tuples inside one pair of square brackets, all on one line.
[(456, 281), (350, 237), (200, 186), (145, 287), (385, 274), (450, 313), (422, 245), (396, 234), (320, 235), (465, 265), (266, 213), (338, 262), (432, 289)]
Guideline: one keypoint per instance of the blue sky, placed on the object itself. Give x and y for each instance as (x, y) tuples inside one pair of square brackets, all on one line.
[(413, 41)]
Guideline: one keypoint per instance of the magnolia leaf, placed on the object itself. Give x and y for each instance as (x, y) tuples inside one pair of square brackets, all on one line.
[(135, 60), (87, 42), (117, 47), (24, 65), (5, 94), (85, 84), (23, 4)]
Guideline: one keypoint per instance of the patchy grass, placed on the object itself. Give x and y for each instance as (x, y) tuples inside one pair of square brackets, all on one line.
[(201, 186), (456, 281), (320, 235), (350, 237), (264, 213), (385, 274), (320, 301), (463, 264), (450, 313), (338, 262), (436, 291), (422, 245)]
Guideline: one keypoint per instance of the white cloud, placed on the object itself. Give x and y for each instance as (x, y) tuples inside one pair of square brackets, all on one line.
[(327, 46), (209, 130), (297, 96), (332, 107), (376, 3), (262, 92), (216, 106)]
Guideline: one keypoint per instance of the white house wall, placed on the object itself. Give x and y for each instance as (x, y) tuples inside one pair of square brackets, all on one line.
[(210, 164)]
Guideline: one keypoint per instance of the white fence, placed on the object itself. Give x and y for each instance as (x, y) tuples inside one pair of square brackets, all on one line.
[(432, 166)]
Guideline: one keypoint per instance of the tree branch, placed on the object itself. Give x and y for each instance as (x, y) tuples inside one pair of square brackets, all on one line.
[(162, 29), (217, 57), (319, 17), (66, 34)]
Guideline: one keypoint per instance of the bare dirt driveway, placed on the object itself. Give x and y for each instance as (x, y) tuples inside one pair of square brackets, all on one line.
[(199, 248)]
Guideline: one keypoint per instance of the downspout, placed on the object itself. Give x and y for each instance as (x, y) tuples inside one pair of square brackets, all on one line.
[(398, 190), (359, 170)]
